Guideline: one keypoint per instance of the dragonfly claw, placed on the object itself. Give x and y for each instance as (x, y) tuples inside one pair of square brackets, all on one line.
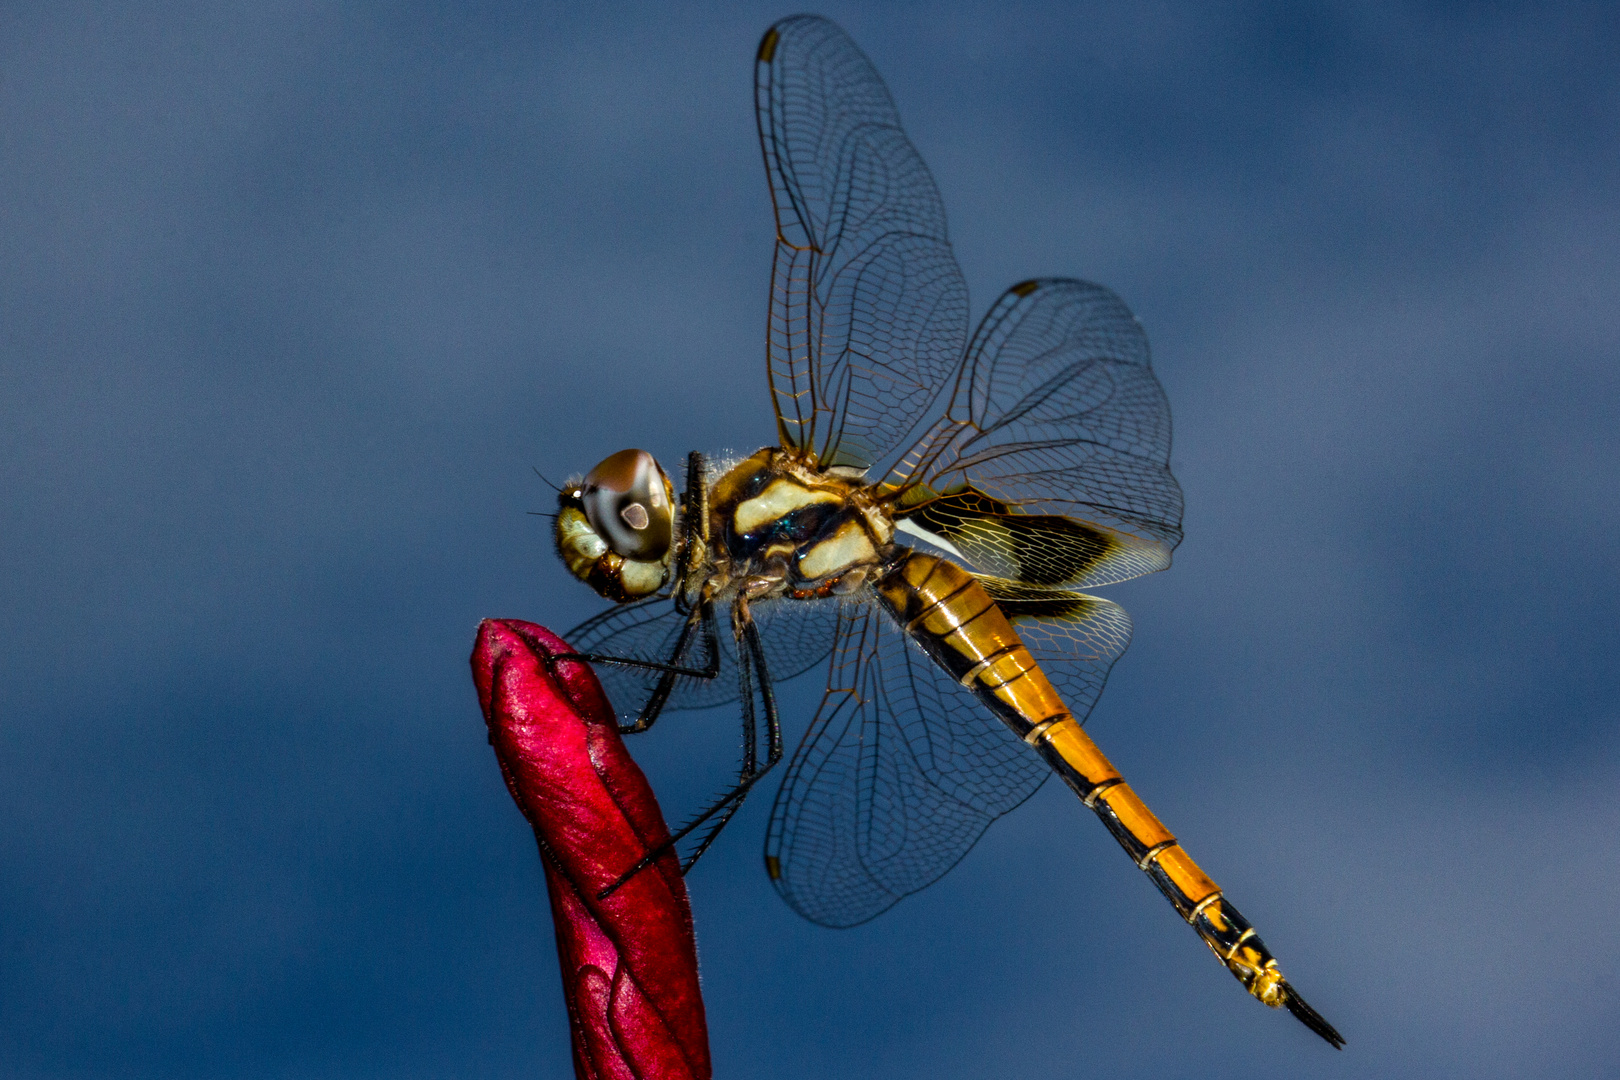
[(1310, 1017)]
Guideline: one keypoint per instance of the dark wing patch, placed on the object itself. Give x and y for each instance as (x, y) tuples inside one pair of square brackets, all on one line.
[(1041, 549), (868, 306), (1059, 414)]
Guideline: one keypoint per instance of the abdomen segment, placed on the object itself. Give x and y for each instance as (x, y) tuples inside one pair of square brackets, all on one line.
[(955, 620)]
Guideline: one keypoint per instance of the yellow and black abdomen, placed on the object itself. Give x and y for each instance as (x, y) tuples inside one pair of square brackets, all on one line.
[(950, 614)]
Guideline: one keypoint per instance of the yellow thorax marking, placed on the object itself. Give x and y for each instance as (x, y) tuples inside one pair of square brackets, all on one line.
[(781, 496), (844, 548)]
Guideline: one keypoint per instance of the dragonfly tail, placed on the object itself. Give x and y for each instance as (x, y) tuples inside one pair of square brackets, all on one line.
[(1073, 755)]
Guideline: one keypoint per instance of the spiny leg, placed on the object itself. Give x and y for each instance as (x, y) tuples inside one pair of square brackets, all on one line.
[(700, 616), (733, 800), (694, 524), (750, 657)]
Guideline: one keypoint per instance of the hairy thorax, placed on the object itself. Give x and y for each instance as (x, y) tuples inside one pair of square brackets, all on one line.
[(780, 528)]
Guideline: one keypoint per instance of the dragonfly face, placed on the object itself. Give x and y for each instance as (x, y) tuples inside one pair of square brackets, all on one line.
[(615, 526), (1032, 455)]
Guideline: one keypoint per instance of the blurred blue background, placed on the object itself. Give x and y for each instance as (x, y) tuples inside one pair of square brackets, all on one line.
[(293, 296)]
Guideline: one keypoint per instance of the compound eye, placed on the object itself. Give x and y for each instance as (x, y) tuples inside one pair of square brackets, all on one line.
[(626, 499)]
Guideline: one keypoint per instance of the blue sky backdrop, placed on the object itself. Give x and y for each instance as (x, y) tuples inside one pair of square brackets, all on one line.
[(292, 297)]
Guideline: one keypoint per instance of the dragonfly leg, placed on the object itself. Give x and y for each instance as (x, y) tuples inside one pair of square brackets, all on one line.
[(693, 548), (701, 619), (732, 801), (750, 658)]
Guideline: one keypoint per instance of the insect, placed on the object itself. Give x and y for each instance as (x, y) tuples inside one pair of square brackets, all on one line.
[(934, 503)]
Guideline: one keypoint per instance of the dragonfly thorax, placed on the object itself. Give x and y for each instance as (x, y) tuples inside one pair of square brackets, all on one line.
[(780, 527)]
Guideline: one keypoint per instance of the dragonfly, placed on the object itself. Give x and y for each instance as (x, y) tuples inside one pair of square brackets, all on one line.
[(923, 527)]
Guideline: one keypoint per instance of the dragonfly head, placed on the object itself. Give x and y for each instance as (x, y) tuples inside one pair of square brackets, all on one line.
[(616, 526)]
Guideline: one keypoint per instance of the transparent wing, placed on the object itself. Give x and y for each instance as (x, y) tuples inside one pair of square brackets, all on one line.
[(1054, 464), (796, 636), (648, 630), (868, 306), (1076, 638), (903, 769)]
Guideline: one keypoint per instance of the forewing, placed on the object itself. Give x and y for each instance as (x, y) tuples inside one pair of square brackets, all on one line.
[(795, 635), (1059, 416), (868, 306), (901, 771)]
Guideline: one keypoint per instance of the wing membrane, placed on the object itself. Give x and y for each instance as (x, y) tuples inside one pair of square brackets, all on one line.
[(868, 306), (902, 769), (899, 774), (1058, 415), (796, 635), (1075, 637)]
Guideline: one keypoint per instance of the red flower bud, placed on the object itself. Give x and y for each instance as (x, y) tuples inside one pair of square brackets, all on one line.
[(629, 963)]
